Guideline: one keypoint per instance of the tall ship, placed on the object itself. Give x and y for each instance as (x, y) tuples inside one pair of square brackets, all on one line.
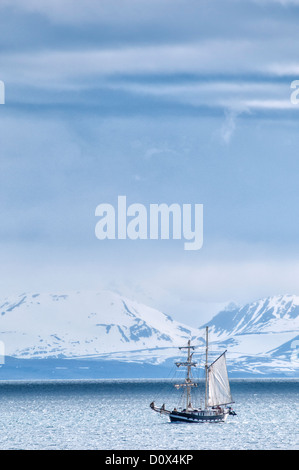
[(217, 391)]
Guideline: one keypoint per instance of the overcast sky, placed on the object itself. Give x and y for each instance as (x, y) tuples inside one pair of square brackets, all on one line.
[(162, 101)]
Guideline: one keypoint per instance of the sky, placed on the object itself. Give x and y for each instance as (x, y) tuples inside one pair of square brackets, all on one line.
[(164, 101)]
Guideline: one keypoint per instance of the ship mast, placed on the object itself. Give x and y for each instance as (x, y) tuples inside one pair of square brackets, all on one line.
[(188, 380), (206, 368)]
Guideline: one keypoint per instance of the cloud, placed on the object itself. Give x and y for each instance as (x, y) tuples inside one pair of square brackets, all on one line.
[(63, 72), (59, 66), (236, 67), (66, 11), (230, 123), (229, 126), (223, 281), (93, 11), (281, 2), (190, 292)]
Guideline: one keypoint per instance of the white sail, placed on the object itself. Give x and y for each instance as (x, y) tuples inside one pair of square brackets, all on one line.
[(219, 389)]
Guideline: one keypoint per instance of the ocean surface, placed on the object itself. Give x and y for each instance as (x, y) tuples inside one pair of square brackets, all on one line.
[(114, 415)]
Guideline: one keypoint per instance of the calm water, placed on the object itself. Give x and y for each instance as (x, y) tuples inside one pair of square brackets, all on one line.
[(102, 415)]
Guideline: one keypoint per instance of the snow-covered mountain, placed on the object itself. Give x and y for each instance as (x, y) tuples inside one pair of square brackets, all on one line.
[(86, 324), (271, 315), (261, 337)]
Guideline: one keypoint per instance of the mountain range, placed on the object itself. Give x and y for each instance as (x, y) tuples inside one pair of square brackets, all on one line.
[(262, 337), (103, 334)]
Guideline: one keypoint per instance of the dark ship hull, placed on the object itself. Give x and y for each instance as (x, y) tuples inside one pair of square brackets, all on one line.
[(197, 416)]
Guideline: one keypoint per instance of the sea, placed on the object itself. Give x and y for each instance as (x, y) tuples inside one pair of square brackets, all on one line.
[(115, 415)]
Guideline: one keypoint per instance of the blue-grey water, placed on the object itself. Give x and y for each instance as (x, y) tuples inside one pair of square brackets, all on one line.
[(116, 415)]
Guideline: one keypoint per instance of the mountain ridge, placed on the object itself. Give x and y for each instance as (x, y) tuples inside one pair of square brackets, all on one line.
[(261, 337), (85, 323), (270, 314)]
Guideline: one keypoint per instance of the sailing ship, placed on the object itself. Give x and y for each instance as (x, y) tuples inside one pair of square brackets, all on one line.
[(217, 391)]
